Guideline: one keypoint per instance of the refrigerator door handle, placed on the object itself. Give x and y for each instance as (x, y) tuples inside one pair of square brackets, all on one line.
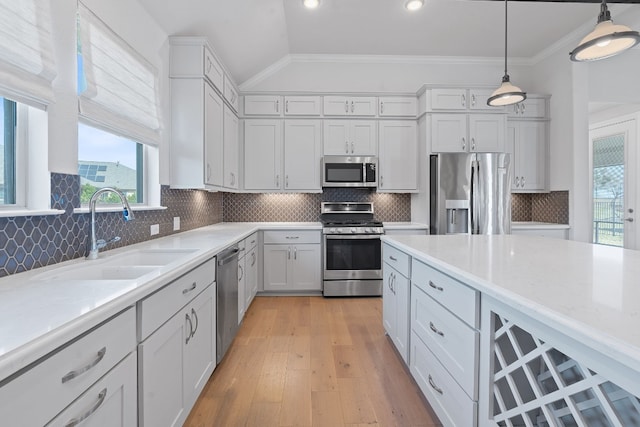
[(475, 169)]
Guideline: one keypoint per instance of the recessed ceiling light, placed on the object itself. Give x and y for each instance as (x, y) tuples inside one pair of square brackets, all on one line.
[(413, 4), (311, 4)]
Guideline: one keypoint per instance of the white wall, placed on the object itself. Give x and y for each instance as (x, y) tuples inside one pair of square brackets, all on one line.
[(381, 74), (128, 19)]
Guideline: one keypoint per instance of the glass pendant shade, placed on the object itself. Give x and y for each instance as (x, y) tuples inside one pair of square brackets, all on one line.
[(606, 40), (311, 4), (414, 4), (506, 94)]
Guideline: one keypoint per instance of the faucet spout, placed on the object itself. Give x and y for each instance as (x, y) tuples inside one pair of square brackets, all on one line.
[(127, 214)]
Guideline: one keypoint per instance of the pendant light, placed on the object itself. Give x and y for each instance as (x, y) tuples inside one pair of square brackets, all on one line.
[(605, 40), (506, 94), (413, 5), (311, 4)]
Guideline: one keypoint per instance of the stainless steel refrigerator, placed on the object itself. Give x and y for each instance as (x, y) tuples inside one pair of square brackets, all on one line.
[(470, 193)]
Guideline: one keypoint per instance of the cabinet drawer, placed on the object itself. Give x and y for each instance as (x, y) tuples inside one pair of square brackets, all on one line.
[(160, 306), (396, 259), (212, 70), (59, 379), (453, 342), (111, 401), (251, 241), (450, 403), (460, 299), (291, 237)]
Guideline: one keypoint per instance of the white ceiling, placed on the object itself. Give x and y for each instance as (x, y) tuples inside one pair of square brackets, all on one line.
[(250, 35)]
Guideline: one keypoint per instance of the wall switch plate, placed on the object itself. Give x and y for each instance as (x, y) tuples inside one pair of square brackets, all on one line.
[(155, 229), (176, 223)]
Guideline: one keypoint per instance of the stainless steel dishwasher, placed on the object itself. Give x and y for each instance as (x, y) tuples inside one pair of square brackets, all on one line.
[(227, 300)]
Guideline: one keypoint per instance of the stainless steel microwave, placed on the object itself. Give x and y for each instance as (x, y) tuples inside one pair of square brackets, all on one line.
[(349, 171)]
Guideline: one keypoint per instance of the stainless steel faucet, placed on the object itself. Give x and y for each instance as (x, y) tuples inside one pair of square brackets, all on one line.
[(96, 245)]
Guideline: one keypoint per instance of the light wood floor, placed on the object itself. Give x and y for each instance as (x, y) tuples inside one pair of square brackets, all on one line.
[(312, 361)]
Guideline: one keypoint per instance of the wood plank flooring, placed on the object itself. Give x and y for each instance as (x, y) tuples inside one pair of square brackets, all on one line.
[(312, 361)]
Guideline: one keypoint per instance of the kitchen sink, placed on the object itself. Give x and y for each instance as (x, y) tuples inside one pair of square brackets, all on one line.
[(128, 265)]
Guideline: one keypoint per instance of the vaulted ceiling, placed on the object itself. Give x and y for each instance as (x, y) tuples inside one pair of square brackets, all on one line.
[(250, 35)]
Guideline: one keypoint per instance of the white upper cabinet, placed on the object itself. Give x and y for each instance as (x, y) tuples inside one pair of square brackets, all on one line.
[(448, 99), (231, 148), (530, 108), (398, 159), (301, 105), (191, 57), (527, 143), (460, 133), (262, 154), (349, 106), (214, 138), (302, 154), (397, 106), (230, 93), (350, 137), (263, 105), (478, 100)]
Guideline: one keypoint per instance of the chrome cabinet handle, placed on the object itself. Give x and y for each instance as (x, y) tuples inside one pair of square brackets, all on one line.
[(434, 386), (381, 181), (522, 108), (277, 105), (286, 106), (517, 181), (346, 106), (77, 420), (392, 258), (77, 372), (352, 150), (351, 106), (195, 316), (208, 171), (464, 100), (241, 272), (295, 253), (286, 181), (189, 289), (277, 180), (289, 254), (381, 107), (473, 100), (522, 181), (437, 288), (473, 144), (253, 259), (436, 330), (209, 65), (190, 334), (346, 147), (292, 237), (464, 143)]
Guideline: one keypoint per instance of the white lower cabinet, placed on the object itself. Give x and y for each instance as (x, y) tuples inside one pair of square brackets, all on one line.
[(292, 261), (251, 276), (175, 361), (396, 299), (66, 374), (109, 402)]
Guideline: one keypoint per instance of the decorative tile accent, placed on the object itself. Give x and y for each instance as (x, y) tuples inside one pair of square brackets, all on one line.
[(550, 207), (36, 241), (299, 207)]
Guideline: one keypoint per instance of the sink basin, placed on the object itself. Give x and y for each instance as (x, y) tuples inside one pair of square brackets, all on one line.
[(123, 266)]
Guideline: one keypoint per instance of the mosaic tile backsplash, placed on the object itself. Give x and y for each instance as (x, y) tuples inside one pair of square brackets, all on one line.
[(278, 207), (550, 207), (36, 241)]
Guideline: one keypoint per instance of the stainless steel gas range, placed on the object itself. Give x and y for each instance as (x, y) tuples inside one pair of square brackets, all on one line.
[(352, 249)]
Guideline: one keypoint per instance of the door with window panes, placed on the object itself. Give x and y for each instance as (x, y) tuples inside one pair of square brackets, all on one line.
[(614, 183)]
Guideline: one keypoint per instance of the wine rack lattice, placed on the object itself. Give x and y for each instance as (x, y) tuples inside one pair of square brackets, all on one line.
[(534, 384)]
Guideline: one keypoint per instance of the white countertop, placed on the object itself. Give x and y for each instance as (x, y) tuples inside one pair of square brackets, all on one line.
[(589, 292), (405, 226), (38, 314), (536, 225)]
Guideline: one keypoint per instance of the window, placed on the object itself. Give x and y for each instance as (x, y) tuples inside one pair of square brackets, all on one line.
[(7, 152), (108, 160)]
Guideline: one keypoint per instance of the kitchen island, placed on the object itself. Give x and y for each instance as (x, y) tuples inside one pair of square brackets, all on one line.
[(515, 330)]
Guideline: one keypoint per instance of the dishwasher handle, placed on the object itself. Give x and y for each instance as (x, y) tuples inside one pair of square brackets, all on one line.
[(228, 256)]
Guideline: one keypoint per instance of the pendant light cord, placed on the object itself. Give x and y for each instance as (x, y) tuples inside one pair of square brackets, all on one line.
[(505, 40)]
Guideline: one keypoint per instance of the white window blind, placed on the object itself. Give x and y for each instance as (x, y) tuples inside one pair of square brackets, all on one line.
[(27, 67), (121, 93)]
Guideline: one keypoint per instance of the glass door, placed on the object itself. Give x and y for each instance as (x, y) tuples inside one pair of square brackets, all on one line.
[(614, 184)]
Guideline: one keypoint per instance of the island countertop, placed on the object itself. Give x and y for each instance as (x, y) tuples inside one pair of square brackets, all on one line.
[(589, 292)]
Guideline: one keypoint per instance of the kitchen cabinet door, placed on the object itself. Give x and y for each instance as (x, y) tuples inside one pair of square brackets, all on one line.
[(301, 105), (530, 108), (214, 139), (350, 137), (397, 106), (276, 261), (262, 154), (302, 155), (486, 133), (336, 137), (251, 276), (527, 143), (449, 99), (388, 302), (401, 289), (478, 100), (449, 133), (349, 106), (398, 156), (242, 302), (364, 138), (231, 148), (262, 105), (305, 268)]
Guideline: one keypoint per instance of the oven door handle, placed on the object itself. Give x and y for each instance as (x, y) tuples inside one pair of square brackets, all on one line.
[(352, 236)]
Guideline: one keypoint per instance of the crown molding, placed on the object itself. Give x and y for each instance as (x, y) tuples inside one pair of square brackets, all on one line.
[(267, 72)]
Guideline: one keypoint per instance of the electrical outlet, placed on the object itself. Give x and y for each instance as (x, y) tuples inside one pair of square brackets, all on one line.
[(155, 229), (176, 223)]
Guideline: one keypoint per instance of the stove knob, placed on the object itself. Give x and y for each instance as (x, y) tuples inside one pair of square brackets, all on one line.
[(354, 230), (369, 230)]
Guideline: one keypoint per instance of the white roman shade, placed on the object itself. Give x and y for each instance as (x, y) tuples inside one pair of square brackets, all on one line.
[(27, 66), (121, 93)]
